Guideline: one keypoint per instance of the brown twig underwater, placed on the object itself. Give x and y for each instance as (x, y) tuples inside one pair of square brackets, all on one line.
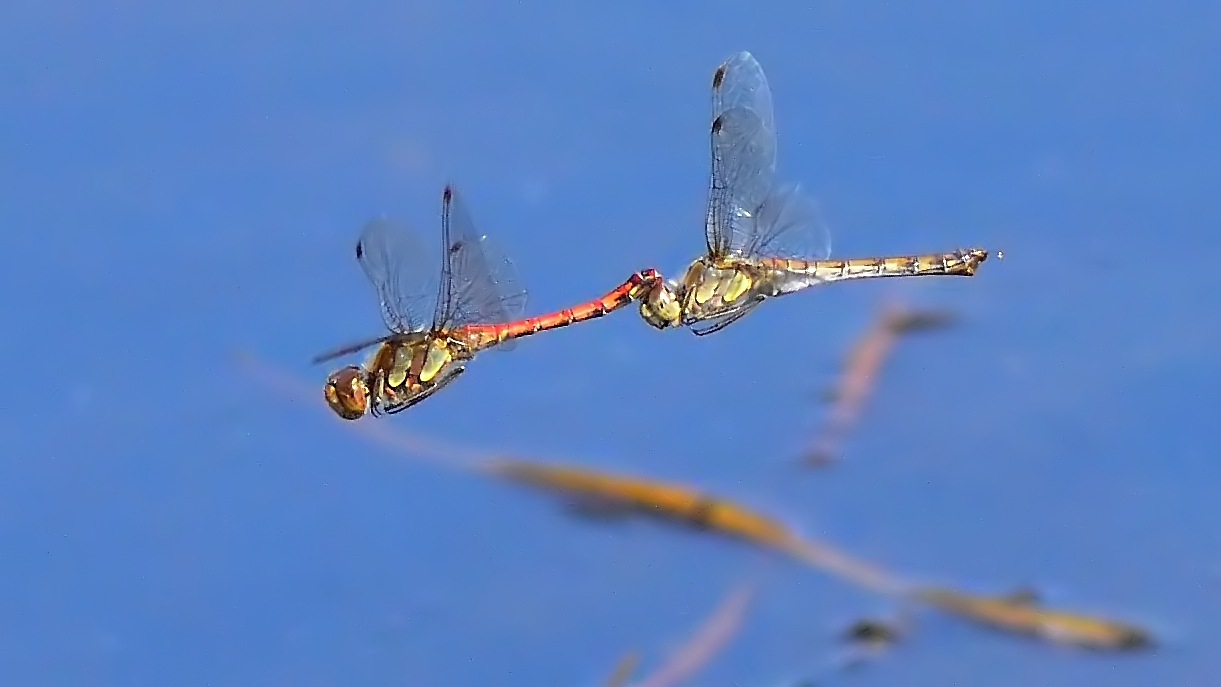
[(682, 504), (708, 641), (704, 644), (671, 502), (688, 506), (1020, 614), (861, 367), (623, 670)]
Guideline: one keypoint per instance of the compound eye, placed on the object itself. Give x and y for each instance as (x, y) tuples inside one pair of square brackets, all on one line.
[(346, 393)]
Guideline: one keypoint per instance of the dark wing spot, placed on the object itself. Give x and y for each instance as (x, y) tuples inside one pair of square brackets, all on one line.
[(717, 124), (360, 250), (718, 77), (457, 246), (448, 195)]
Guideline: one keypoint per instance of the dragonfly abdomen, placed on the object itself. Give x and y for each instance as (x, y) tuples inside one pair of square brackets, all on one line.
[(492, 334), (802, 273)]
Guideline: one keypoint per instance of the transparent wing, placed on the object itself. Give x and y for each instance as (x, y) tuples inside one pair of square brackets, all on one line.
[(787, 224), (743, 138), (349, 349), (740, 82), (479, 284), (395, 262)]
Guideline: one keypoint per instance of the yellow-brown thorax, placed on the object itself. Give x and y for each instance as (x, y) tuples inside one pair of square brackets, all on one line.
[(404, 368), (713, 288), (708, 289)]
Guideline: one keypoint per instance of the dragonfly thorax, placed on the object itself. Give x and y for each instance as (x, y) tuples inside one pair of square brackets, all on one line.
[(711, 289), (418, 362), (405, 372)]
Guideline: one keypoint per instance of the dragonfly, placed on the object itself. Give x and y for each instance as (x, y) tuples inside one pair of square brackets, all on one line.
[(764, 238), (477, 300)]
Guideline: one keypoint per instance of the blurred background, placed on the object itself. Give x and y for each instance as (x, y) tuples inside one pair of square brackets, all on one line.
[(181, 183)]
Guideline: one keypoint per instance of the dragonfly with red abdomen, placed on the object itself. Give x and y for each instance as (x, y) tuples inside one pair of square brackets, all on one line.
[(478, 304), (763, 239)]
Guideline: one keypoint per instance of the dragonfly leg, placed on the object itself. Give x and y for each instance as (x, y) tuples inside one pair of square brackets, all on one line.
[(725, 320), (442, 380)]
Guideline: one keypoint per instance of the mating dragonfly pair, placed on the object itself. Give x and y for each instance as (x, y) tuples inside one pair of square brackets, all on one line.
[(764, 239)]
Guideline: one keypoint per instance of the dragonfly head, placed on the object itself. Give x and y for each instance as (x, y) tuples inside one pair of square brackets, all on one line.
[(661, 305), (347, 392)]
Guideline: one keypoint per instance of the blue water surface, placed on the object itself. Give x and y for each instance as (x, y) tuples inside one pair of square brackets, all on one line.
[(181, 182)]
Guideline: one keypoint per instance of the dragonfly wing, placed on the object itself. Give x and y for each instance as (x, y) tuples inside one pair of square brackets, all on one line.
[(742, 84), (743, 140), (788, 224), (394, 260), (481, 285), (348, 349)]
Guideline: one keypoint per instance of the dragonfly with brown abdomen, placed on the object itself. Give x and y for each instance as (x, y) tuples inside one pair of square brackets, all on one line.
[(764, 239)]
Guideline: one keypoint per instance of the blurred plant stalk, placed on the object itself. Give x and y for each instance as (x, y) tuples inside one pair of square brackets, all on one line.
[(860, 372), (608, 494)]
